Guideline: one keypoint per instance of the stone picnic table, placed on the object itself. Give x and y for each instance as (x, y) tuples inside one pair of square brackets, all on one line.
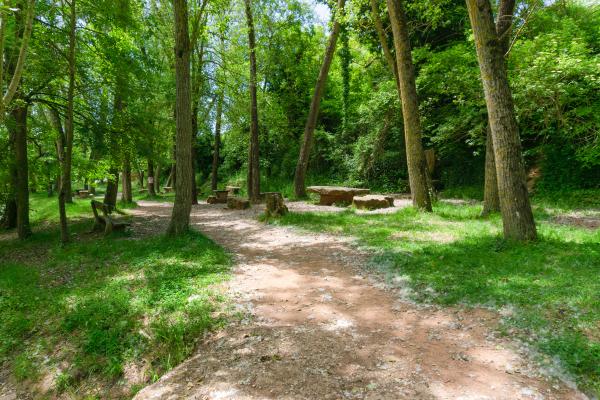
[(336, 194)]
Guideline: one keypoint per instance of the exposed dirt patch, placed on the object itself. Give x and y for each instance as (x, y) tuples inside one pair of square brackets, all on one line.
[(318, 327), (583, 221)]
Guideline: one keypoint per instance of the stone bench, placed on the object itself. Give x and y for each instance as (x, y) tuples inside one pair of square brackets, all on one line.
[(336, 194), (373, 202)]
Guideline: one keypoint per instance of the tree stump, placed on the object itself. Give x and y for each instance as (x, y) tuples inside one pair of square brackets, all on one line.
[(275, 205), (237, 203)]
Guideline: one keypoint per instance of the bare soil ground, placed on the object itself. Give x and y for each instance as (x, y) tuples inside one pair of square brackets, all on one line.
[(316, 325)]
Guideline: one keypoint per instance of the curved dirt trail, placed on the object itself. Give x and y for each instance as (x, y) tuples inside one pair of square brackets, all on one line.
[(321, 328)]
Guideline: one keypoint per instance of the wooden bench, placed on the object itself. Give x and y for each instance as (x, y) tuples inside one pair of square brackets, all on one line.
[(336, 194), (168, 189), (219, 197), (83, 194), (107, 222)]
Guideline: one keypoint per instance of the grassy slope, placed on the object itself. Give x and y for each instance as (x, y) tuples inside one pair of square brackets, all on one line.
[(553, 285), (87, 311)]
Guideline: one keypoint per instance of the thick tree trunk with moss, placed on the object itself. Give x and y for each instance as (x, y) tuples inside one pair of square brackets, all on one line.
[(491, 201), (313, 113), (215, 162), (112, 188), (515, 207), (126, 186), (22, 189), (253, 152), (415, 156), (180, 217)]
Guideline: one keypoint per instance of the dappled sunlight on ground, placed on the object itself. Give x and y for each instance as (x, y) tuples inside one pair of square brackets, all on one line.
[(315, 325)]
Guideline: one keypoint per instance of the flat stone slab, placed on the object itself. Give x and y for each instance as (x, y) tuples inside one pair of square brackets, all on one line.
[(330, 195), (373, 202)]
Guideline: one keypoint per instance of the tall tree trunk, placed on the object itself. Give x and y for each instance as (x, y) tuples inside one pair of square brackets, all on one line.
[(157, 178), (313, 113), (112, 187), (65, 194), (194, 145), (196, 90), (389, 57), (180, 218), (253, 156), (491, 200), (126, 190), (151, 177), (141, 178), (215, 162), (9, 218), (415, 156), (517, 216), (22, 189)]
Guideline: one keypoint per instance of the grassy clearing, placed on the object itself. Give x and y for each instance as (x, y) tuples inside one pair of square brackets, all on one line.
[(104, 315), (550, 288)]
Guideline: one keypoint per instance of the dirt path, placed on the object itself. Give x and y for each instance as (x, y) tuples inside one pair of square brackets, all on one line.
[(321, 328)]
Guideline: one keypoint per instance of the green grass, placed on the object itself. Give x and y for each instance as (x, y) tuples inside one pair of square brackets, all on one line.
[(85, 312), (452, 256)]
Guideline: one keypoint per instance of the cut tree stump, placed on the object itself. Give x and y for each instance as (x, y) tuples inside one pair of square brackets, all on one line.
[(237, 203), (373, 202), (275, 205), (336, 194)]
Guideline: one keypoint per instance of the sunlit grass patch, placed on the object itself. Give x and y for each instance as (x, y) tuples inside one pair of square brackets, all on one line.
[(87, 312)]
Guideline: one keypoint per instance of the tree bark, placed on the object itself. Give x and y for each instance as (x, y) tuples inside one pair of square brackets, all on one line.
[(112, 187), (491, 201), (126, 190), (253, 156), (157, 178), (415, 156), (215, 162), (180, 218), (9, 218), (151, 191), (22, 189), (389, 57), (515, 207), (311, 122)]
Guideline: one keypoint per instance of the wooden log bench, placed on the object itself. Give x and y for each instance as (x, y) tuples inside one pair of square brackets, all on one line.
[(373, 202), (237, 203), (83, 194), (168, 189), (336, 194), (107, 222)]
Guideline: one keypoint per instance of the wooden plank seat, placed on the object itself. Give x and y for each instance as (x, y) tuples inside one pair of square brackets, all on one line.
[(336, 194), (107, 221), (168, 189)]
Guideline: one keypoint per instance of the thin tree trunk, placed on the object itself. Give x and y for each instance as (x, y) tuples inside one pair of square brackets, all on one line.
[(253, 159), (515, 207), (141, 179), (196, 88), (389, 57), (215, 163), (311, 122), (415, 156), (180, 218), (151, 191), (22, 188), (65, 193), (491, 201), (157, 178)]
